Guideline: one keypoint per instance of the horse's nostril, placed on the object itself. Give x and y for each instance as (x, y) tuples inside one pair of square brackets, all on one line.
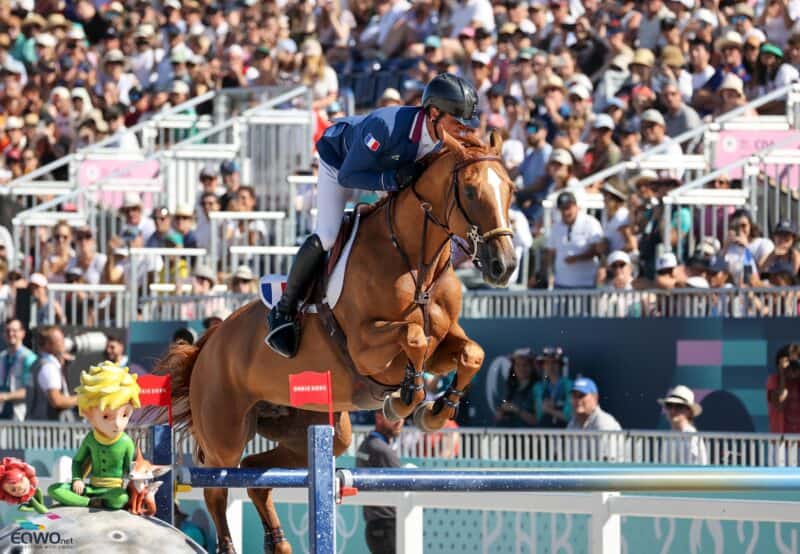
[(497, 268)]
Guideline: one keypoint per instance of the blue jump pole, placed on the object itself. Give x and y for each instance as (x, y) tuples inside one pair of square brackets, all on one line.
[(162, 455), (576, 480), (321, 493), (214, 477)]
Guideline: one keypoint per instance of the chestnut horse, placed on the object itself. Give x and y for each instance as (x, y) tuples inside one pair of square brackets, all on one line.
[(399, 310)]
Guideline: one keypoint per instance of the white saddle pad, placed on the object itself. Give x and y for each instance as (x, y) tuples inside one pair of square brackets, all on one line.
[(271, 287)]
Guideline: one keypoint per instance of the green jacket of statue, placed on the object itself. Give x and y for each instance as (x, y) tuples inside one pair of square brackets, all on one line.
[(110, 459)]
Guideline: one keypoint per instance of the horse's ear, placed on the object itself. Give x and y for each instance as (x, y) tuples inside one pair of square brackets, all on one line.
[(496, 142), (453, 145)]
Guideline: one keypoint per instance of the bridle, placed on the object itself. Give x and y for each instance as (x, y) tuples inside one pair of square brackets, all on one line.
[(474, 235), (422, 296)]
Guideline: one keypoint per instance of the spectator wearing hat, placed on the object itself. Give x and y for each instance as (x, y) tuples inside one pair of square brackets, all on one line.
[(164, 236), (552, 110), (783, 391), (243, 280), (784, 236), (551, 392), (523, 81), (114, 65), (587, 415), (678, 116), (654, 135), (516, 409), (390, 97), (772, 72), (558, 175), (229, 170), (132, 213), (534, 165), (732, 96), (681, 410), (602, 152), (87, 260), (667, 277), (183, 221), (571, 251), (204, 279), (45, 312), (480, 74), (617, 277), (617, 228), (731, 46)]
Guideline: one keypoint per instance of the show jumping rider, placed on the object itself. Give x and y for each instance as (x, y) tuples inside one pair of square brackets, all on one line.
[(379, 151)]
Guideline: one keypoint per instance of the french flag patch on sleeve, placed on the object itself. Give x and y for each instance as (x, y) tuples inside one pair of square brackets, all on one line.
[(371, 143)]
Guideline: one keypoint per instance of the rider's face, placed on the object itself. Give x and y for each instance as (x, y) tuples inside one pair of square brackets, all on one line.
[(448, 123)]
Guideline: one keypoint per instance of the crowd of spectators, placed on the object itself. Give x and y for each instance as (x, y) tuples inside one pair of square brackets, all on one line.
[(538, 392)]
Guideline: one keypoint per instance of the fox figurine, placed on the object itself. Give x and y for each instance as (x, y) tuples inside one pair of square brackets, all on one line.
[(141, 487)]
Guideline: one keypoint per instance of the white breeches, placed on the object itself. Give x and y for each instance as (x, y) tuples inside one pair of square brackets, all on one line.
[(331, 201)]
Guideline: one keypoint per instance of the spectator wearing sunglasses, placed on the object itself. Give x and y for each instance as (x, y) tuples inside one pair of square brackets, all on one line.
[(680, 409), (60, 253)]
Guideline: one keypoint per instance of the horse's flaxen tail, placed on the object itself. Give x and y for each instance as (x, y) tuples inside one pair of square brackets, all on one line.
[(179, 363)]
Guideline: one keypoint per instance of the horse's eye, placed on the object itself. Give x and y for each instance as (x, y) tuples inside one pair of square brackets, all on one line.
[(470, 192)]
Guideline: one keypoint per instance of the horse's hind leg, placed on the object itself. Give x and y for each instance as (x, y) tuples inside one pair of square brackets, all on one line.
[(291, 452), (455, 350), (280, 456), (221, 437)]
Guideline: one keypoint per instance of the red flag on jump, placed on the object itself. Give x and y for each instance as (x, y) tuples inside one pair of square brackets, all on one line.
[(311, 387), (156, 390)]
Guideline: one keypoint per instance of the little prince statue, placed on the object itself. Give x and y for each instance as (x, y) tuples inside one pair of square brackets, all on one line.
[(106, 398)]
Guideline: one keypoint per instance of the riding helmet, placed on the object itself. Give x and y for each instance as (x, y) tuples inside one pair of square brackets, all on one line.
[(452, 95)]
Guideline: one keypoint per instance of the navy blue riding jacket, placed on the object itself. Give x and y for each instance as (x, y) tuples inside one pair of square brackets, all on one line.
[(367, 150)]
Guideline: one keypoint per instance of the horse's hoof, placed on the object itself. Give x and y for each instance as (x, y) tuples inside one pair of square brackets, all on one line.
[(388, 410), (225, 546), (419, 418)]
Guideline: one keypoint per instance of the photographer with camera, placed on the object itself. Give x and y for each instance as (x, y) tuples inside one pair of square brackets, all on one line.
[(783, 391)]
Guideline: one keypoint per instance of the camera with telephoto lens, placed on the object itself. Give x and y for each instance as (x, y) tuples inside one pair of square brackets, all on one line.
[(92, 341)]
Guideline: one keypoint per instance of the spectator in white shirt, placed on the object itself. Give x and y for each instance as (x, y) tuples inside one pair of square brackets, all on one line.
[(680, 410), (617, 232), (86, 258), (48, 396), (572, 246), (131, 210)]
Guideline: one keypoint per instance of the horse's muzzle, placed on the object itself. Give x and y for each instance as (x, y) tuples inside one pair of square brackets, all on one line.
[(497, 260)]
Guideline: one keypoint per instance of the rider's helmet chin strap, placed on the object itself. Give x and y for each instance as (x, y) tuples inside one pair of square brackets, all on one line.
[(436, 124)]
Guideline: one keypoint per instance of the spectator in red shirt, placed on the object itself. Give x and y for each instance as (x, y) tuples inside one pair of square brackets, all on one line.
[(783, 391)]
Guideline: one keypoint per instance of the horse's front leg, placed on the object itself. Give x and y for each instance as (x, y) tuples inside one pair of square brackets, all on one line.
[(455, 351), (411, 339)]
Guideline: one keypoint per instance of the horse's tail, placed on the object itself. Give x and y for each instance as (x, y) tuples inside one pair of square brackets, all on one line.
[(179, 363)]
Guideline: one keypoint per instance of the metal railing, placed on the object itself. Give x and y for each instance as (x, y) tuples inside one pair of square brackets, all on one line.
[(790, 93), (486, 444), (90, 305), (183, 307), (266, 260), (233, 229), (649, 303)]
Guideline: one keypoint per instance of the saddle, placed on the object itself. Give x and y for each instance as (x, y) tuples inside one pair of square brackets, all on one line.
[(323, 295), (368, 394)]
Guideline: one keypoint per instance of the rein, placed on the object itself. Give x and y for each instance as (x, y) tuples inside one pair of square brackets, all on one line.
[(421, 295)]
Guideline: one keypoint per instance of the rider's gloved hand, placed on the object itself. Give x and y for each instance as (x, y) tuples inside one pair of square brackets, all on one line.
[(407, 175)]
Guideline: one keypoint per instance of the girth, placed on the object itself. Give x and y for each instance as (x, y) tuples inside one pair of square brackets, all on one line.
[(367, 393)]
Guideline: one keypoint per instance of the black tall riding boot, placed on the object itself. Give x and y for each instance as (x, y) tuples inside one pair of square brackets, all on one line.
[(284, 335)]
